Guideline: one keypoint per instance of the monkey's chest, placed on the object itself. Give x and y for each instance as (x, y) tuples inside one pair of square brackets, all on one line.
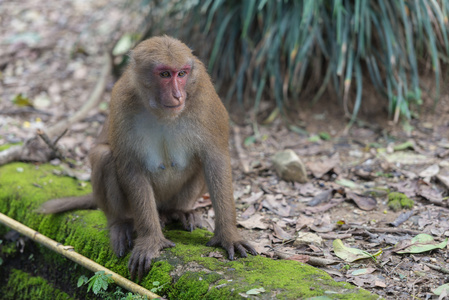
[(165, 155), (163, 148)]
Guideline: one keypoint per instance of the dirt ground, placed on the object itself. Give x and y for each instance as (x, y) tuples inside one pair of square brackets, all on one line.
[(50, 60)]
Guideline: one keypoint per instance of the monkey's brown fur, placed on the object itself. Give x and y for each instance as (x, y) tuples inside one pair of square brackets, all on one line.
[(164, 144)]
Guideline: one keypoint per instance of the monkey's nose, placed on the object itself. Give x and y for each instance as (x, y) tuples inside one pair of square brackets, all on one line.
[(177, 95)]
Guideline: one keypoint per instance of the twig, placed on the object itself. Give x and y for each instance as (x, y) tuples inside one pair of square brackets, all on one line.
[(68, 252), (238, 148), (333, 236), (382, 230), (24, 110), (50, 144), (22, 152), (60, 136), (438, 268)]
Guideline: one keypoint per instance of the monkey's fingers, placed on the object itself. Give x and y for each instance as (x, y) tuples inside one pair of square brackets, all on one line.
[(131, 266), (139, 264), (130, 238), (140, 261), (241, 250), (185, 222), (168, 244), (230, 250), (163, 220), (121, 238), (190, 220), (144, 266), (249, 248), (242, 247)]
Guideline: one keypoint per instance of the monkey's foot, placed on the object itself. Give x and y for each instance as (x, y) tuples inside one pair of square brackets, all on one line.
[(121, 237), (144, 251), (230, 246), (190, 219)]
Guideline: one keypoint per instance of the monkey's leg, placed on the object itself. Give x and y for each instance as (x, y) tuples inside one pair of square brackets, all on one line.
[(217, 170), (181, 205), (138, 190), (110, 198)]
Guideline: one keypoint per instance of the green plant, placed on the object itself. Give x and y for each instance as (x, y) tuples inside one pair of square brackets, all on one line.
[(98, 282), (157, 287), (285, 50)]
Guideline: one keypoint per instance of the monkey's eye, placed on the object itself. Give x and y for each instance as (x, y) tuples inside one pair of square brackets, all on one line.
[(164, 74), (182, 73)]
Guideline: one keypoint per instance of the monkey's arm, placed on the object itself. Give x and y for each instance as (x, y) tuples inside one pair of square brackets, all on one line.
[(150, 240), (217, 170)]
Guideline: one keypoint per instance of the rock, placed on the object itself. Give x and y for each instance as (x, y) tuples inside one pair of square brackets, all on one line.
[(307, 238), (289, 166)]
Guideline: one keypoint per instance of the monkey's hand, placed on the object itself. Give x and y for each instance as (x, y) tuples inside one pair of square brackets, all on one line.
[(190, 219), (232, 244), (145, 249)]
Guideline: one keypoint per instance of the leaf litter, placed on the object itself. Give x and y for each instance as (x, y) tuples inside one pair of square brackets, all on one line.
[(350, 176)]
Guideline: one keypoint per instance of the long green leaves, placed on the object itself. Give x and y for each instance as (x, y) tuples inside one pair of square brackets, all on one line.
[(292, 49)]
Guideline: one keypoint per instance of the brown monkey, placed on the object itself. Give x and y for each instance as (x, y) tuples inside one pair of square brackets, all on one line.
[(164, 144)]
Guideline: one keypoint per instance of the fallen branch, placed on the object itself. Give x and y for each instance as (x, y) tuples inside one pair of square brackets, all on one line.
[(11, 154), (68, 252), (23, 152)]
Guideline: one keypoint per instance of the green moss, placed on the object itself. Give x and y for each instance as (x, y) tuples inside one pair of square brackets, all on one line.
[(160, 271), (7, 146), (23, 187), (21, 285), (254, 272), (193, 285), (397, 201), (8, 249), (191, 246)]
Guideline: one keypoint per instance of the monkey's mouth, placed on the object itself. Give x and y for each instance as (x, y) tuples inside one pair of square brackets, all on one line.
[(174, 107)]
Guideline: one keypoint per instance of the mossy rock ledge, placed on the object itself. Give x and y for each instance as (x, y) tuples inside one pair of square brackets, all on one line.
[(185, 271)]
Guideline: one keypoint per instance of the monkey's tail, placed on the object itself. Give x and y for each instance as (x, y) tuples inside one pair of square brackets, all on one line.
[(65, 204)]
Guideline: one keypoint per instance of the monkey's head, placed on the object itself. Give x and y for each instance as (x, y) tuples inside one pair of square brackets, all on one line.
[(164, 70)]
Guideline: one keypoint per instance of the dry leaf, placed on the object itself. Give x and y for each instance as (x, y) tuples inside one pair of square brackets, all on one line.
[(322, 167), (253, 222), (248, 212), (303, 221), (253, 198), (322, 197), (280, 233), (363, 202)]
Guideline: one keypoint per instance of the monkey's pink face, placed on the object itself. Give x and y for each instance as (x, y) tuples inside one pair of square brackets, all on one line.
[(172, 83)]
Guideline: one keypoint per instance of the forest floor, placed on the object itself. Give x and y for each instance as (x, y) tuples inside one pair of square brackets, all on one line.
[(50, 61)]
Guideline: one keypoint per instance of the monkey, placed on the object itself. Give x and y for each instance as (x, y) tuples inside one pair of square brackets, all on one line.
[(163, 145)]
